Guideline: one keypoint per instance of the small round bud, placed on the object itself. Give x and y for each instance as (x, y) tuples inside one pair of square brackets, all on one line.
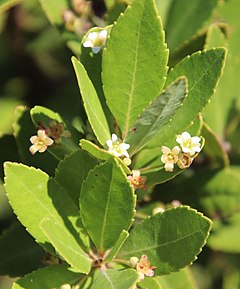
[(184, 161), (66, 286), (134, 261), (158, 210), (127, 161)]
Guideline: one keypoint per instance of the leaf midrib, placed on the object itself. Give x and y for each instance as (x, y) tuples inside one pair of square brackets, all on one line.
[(108, 279), (139, 146), (106, 213), (134, 78), (164, 244)]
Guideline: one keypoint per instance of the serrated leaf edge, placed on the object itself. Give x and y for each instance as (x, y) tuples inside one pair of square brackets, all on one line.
[(189, 209)]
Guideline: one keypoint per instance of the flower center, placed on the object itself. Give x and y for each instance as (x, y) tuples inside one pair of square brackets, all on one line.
[(170, 157), (187, 143)]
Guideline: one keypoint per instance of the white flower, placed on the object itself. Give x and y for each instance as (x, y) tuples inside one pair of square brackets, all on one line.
[(189, 144), (40, 142), (170, 157), (117, 148), (96, 40)]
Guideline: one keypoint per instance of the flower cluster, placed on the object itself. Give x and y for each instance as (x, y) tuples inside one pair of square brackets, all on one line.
[(46, 136), (96, 40), (183, 155), (142, 266), (119, 149)]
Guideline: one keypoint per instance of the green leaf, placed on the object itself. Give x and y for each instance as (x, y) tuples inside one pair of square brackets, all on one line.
[(72, 171), (169, 245), (229, 84), (203, 70), (163, 9), (216, 191), (158, 175), (230, 81), (54, 10), (92, 103), (115, 279), (132, 76), (157, 115), (220, 194), (34, 197), (180, 280), (178, 27), (223, 232), (231, 278), (66, 245), (213, 147), (42, 115), (217, 112), (19, 252), (107, 203), (109, 3), (102, 154), (23, 129), (215, 37), (152, 283), (92, 62), (7, 4), (115, 11), (117, 246), (50, 277), (6, 108)]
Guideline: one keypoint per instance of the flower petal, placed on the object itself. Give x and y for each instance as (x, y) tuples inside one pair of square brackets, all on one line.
[(114, 137), (186, 135), (165, 150), (33, 149), (169, 167), (136, 173), (103, 34), (41, 133), (124, 146), (43, 149), (87, 43), (196, 139), (176, 150), (92, 36), (33, 139), (109, 143), (49, 141)]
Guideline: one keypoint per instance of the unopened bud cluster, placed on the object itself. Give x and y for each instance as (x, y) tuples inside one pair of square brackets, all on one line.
[(77, 21), (47, 136)]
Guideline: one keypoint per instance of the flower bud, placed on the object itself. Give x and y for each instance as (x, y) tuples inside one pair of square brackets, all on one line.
[(134, 261), (184, 161)]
